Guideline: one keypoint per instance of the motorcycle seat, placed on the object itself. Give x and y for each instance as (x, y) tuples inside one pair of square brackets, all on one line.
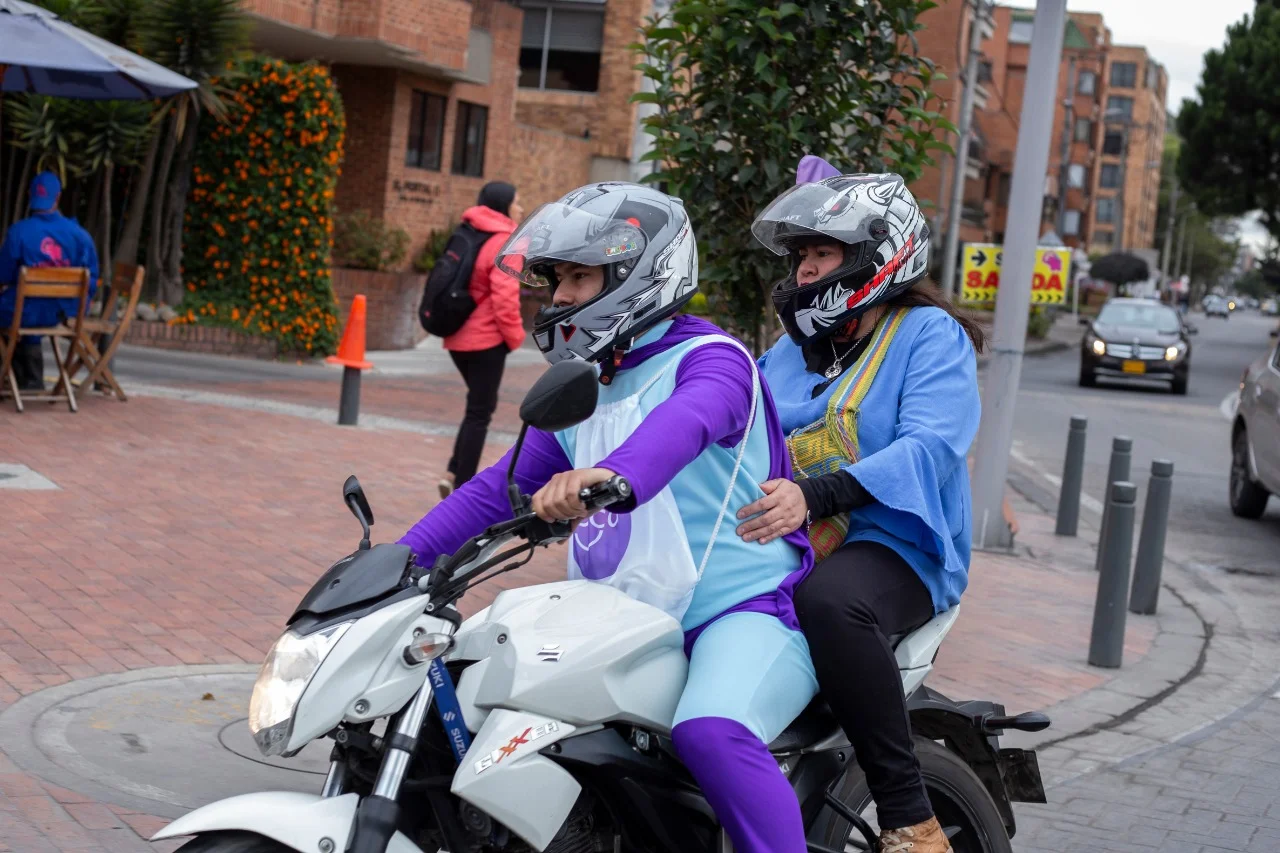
[(816, 723)]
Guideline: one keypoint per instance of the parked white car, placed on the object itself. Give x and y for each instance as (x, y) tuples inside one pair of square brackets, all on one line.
[(1255, 438)]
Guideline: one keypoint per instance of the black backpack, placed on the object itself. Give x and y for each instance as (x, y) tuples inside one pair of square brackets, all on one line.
[(446, 298)]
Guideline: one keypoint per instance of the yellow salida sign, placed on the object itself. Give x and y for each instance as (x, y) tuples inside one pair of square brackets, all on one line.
[(981, 274)]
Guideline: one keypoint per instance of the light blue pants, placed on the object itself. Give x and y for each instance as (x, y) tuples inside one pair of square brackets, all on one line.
[(749, 677)]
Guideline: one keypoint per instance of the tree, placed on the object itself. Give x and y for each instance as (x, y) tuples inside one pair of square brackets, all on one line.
[(1228, 161), (198, 39), (744, 89)]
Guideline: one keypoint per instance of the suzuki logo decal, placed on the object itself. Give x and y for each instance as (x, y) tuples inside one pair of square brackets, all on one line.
[(551, 653)]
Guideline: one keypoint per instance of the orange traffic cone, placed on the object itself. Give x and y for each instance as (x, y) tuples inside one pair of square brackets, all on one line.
[(351, 349)]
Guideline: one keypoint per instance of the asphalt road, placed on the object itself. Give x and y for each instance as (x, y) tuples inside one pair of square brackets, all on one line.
[(1192, 431)]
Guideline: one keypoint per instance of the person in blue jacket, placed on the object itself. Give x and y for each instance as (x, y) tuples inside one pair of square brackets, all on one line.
[(876, 386), (46, 238)]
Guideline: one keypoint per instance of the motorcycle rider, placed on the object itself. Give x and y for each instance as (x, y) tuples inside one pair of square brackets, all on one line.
[(876, 385), (684, 417)]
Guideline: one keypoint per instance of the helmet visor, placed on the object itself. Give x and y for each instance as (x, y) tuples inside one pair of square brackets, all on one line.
[(557, 233), (844, 208)]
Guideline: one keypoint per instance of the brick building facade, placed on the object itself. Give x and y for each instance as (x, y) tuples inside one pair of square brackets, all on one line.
[(1101, 182), (443, 96)]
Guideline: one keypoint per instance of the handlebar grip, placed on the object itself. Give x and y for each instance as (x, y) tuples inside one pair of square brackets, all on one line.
[(610, 492)]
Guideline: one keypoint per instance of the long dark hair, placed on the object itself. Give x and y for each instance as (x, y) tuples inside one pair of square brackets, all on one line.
[(925, 295)]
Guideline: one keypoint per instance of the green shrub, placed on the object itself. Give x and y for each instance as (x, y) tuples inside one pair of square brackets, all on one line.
[(365, 242), (259, 224)]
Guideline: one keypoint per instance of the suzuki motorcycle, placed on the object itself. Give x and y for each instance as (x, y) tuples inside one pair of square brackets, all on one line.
[(544, 721)]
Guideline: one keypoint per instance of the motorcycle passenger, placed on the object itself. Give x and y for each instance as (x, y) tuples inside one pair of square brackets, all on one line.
[(684, 416), (876, 386)]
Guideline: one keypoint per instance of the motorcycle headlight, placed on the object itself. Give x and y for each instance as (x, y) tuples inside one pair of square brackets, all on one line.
[(281, 681)]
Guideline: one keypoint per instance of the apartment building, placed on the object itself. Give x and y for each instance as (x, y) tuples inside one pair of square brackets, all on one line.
[(1101, 186)]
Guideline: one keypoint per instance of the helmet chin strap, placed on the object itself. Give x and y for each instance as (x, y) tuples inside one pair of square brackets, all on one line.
[(610, 364)]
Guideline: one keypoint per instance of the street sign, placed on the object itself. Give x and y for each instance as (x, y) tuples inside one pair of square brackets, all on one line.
[(981, 274)]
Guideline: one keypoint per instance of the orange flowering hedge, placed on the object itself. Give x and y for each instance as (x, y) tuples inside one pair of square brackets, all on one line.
[(259, 228)]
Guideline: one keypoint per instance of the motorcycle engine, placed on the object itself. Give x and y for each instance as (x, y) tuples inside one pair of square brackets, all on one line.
[(578, 835)]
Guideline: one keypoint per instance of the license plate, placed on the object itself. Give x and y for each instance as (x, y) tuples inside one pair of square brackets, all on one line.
[(1134, 367)]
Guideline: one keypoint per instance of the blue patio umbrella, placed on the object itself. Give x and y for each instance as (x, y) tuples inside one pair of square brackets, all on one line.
[(41, 53)]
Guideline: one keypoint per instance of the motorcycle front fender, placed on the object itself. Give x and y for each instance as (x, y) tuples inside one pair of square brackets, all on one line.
[(299, 821)]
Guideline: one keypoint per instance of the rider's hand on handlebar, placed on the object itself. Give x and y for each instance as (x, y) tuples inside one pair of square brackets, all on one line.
[(558, 499)]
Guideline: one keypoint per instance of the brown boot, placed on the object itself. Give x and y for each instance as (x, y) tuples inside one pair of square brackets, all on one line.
[(926, 837)]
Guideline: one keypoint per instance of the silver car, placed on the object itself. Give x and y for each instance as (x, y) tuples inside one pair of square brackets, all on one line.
[(1255, 438)]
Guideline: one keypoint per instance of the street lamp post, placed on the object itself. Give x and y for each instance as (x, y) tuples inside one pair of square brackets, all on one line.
[(1013, 299)]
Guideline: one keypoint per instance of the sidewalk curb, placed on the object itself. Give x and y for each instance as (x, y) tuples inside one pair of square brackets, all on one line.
[(1036, 350)]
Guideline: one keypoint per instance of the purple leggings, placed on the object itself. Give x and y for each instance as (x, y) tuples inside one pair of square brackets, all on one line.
[(743, 783)]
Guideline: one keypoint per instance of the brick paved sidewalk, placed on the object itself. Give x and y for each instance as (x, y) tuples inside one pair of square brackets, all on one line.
[(183, 533)]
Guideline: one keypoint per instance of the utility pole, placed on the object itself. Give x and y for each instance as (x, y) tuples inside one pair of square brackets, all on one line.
[(1068, 134), (962, 150), (1013, 299), (1124, 160), (1166, 262), (1182, 236)]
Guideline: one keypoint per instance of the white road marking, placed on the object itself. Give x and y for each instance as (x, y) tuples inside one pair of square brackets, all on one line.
[(1087, 500)]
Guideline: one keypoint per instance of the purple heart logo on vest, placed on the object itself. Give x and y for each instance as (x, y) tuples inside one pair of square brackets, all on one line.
[(600, 542)]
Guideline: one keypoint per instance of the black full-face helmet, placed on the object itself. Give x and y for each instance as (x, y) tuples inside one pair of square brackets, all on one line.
[(886, 249)]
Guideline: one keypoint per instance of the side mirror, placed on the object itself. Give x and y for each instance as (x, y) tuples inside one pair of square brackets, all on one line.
[(1192, 330), (1083, 321), (562, 397), (1275, 333), (353, 496)]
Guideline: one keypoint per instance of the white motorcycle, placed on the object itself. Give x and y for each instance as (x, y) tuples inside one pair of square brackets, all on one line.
[(557, 736)]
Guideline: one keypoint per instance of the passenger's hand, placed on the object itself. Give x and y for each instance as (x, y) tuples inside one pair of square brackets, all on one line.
[(783, 508), (558, 499)]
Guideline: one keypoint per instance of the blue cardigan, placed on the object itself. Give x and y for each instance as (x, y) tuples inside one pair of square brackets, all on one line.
[(914, 431)]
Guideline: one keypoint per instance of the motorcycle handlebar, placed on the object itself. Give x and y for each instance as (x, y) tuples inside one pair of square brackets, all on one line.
[(611, 491)]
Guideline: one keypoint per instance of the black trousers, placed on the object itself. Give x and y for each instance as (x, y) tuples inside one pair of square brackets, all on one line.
[(482, 371), (848, 607)]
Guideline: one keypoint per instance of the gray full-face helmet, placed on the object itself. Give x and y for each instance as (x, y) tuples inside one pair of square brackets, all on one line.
[(640, 236)]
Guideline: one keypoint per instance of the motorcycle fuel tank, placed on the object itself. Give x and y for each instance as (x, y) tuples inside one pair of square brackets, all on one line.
[(579, 652)]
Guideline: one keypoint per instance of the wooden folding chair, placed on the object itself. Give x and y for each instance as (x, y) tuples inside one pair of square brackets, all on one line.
[(45, 283), (125, 284)]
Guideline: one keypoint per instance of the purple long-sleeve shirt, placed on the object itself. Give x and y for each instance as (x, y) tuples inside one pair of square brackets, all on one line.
[(711, 403)]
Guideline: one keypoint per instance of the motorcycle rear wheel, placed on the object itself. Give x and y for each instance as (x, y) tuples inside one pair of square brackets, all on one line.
[(233, 842), (958, 796)]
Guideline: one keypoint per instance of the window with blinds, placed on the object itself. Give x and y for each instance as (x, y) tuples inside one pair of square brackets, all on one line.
[(560, 47)]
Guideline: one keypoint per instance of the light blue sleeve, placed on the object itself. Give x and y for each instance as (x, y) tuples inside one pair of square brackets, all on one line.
[(938, 415)]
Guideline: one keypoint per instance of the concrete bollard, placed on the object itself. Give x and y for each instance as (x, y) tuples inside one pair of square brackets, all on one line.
[(1072, 478), (1115, 550), (349, 399), (1149, 564), (1117, 472)]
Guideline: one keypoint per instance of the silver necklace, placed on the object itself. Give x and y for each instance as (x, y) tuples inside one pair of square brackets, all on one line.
[(837, 367)]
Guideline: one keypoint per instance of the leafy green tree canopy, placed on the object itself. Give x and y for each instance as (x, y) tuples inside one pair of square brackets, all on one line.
[(1230, 158), (743, 89)]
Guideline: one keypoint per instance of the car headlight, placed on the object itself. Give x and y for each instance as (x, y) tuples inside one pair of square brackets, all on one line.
[(289, 666), (1172, 353), (1099, 346)]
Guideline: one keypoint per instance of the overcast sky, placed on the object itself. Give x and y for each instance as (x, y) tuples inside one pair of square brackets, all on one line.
[(1176, 33)]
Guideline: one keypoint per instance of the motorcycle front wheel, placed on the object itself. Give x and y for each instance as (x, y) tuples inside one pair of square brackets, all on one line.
[(959, 799), (233, 842)]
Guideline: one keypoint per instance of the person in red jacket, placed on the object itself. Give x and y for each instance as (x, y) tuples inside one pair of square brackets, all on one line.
[(479, 349)]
